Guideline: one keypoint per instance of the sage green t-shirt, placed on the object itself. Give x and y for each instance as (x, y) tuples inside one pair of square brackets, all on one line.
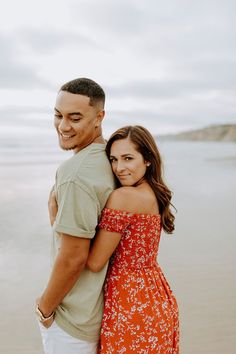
[(83, 184)]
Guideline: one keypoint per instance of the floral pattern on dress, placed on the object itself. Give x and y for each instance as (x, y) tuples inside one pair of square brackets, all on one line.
[(140, 310)]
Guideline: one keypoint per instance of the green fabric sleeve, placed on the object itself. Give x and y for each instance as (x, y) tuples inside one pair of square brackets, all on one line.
[(77, 211)]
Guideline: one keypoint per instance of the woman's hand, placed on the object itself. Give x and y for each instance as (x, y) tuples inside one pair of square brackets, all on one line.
[(52, 206)]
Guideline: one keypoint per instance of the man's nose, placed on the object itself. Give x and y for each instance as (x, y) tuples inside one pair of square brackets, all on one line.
[(64, 125)]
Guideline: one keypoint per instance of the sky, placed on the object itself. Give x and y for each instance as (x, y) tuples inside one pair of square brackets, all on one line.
[(168, 65)]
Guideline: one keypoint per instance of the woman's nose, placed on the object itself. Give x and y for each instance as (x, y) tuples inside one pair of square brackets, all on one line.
[(119, 166)]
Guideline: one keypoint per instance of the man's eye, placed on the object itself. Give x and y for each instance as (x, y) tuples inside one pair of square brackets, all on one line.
[(76, 120), (58, 116)]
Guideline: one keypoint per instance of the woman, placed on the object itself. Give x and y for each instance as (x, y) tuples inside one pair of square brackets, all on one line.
[(140, 312)]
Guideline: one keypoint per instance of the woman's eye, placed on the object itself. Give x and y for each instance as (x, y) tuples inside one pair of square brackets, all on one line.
[(128, 158)]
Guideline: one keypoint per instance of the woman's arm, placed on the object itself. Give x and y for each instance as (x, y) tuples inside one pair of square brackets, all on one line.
[(105, 242), (102, 248)]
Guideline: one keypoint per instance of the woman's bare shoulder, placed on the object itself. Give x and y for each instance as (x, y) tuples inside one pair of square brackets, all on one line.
[(133, 200), (123, 198)]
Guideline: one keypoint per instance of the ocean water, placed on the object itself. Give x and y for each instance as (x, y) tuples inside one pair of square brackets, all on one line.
[(198, 260)]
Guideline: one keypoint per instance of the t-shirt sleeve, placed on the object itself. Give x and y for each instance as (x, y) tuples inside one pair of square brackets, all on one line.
[(77, 211), (114, 220)]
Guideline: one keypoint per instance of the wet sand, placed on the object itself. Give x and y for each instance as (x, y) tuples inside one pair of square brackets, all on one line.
[(198, 260)]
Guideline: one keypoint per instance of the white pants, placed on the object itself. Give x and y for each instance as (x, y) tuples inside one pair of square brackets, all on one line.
[(56, 341)]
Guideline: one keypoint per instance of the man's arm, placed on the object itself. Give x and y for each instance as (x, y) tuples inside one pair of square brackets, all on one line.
[(52, 206), (68, 265)]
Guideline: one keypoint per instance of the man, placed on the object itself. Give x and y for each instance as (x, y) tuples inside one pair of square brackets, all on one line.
[(70, 308)]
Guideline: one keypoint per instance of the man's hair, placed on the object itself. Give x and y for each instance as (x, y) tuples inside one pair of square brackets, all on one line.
[(86, 87)]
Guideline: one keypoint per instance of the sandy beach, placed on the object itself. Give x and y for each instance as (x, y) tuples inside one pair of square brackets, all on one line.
[(198, 260)]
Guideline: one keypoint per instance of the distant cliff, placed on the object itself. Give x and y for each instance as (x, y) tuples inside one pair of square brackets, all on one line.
[(225, 132)]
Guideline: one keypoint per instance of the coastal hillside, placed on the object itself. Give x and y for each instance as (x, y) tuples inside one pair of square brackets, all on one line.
[(224, 132)]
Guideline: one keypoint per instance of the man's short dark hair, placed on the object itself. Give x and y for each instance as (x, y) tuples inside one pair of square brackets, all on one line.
[(86, 87)]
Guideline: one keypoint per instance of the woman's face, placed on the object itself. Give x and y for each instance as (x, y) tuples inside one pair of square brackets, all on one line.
[(127, 163)]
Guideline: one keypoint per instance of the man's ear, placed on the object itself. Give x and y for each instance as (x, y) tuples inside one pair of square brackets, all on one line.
[(99, 118)]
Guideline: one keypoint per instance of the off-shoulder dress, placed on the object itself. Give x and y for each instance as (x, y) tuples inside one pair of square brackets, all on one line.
[(140, 310)]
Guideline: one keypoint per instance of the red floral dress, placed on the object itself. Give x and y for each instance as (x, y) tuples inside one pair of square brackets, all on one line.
[(140, 311)]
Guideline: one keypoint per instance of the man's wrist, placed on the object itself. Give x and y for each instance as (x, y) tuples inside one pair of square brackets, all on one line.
[(41, 316)]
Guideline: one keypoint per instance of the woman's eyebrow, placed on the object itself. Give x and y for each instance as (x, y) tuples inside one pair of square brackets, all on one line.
[(124, 155)]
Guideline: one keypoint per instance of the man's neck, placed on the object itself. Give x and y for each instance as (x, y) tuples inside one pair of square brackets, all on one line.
[(99, 140)]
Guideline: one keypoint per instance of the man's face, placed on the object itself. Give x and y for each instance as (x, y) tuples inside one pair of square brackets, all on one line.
[(77, 123)]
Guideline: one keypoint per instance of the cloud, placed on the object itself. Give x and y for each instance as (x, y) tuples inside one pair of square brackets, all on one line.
[(14, 72), (48, 40), (114, 17), (161, 62), (165, 50), (154, 17), (201, 81), (23, 111), (24, 117)]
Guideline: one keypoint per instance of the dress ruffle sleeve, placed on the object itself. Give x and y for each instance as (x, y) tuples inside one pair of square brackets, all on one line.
[(114, 220)]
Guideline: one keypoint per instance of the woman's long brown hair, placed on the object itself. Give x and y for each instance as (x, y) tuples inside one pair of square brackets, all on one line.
[(145, 144)]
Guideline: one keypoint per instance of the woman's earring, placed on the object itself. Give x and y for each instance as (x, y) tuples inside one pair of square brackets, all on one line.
[(148, 164)]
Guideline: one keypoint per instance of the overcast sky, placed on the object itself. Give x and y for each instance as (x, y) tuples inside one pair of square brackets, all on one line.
[(169, 65)]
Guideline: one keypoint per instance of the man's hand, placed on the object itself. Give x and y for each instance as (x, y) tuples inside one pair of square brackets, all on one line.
[(45, 323), (52, 206)]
